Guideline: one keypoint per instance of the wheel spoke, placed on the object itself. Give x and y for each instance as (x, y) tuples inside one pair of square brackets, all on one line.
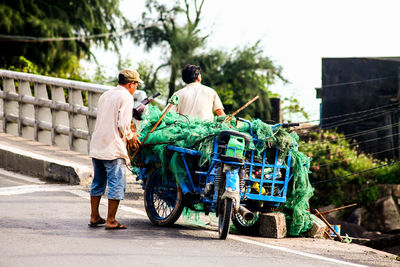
[(163, 201)]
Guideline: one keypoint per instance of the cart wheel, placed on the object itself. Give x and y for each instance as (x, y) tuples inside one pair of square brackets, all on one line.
[(244, 226), (225, 218), (162, 200)]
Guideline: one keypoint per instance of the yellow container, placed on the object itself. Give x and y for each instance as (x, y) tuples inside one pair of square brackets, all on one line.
[(256, 186)]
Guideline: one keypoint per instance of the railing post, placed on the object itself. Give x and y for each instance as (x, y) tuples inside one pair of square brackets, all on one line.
[(93, 99), (60, 118), (70, 122), (44, 114), (26, 111), (10, 108), (79, 121)]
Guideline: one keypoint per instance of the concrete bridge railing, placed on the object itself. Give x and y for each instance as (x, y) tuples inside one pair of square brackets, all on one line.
[(52, 111)]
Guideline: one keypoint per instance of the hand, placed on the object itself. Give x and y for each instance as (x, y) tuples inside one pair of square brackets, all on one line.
[(134, 143)]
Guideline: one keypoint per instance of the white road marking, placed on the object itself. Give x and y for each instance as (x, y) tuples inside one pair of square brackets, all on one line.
[(305, 254), (26, 189), (20, 177), (17, 190)]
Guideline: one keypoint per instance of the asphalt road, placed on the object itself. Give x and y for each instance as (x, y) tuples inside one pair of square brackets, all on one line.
[(46, 225)]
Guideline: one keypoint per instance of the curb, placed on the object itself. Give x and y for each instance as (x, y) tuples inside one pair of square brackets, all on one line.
[(48, 164)]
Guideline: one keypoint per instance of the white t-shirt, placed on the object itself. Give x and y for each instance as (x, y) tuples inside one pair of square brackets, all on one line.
[(197, 100), (113, 125)]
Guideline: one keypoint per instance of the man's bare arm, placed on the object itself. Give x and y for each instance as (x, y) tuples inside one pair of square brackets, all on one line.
[(220, 112)]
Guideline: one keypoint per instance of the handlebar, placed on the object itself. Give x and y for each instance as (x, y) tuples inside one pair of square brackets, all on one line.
[(291, 124), (283, 124)]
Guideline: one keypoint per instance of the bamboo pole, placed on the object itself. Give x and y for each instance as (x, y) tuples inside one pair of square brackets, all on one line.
[(229, 117), (340, 208)]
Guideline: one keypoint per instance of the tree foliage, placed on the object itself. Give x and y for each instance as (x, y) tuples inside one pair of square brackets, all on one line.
[(163, 28), (338, 168), (46, 18)]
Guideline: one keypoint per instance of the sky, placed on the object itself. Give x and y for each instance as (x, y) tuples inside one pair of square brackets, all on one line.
[(295, 34)]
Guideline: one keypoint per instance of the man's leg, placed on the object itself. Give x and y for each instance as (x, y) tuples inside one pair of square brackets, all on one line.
[(112, 211), (94, 203), (116, 188), (96, 191)]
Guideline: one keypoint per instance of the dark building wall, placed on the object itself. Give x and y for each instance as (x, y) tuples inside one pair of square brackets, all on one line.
[(353, 85)]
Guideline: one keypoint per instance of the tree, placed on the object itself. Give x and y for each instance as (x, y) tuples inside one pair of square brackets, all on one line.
[(181, 40), (46, 18)]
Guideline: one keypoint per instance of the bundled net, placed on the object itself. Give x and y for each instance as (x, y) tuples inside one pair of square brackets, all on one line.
[(187, 132)]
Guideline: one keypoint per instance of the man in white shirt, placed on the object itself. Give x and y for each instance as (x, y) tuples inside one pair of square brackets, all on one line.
[(108, 147), (195, 99)]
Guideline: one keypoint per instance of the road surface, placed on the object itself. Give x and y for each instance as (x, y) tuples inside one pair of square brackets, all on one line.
[(44, 224)]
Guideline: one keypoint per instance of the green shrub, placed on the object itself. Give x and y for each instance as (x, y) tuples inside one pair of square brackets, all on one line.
[(341, 174)]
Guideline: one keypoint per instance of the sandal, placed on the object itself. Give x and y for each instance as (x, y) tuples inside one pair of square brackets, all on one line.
[(98, 223), (118, 227)]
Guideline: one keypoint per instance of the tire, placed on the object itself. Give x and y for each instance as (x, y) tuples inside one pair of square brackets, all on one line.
[(244, 226), (225, 218), (163, 200)]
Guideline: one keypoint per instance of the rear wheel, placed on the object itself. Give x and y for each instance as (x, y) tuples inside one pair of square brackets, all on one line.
[(225, 218), (163, 200)]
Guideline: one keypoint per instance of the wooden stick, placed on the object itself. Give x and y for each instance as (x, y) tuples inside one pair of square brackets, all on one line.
[(340, 208), (229, 118), (327, 223)]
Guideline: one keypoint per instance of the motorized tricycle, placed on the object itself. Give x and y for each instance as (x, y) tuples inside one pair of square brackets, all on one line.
[(235, 183)]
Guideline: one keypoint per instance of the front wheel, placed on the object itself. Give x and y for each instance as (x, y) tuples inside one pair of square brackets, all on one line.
[(163, 200), (225, 218)]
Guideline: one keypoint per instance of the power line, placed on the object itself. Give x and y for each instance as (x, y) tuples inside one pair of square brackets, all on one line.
[(355, 134), (351, 174), (30, 39), (351, 135), (357, 82), (369, 154), (352, 144), (348, 114), (360, 118), (342, 122)]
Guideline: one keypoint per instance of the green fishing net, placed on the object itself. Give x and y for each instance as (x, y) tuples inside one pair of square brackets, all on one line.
[(191, 133)]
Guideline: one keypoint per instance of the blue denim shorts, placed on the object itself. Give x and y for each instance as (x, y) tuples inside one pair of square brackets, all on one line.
[(111, 172)]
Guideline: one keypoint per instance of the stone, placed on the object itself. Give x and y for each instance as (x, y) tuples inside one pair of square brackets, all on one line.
[(396, 190), (356, 216), (384, 216), (273, 225), (318, 228), (384, 190), (391, 215), (332, 216)]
